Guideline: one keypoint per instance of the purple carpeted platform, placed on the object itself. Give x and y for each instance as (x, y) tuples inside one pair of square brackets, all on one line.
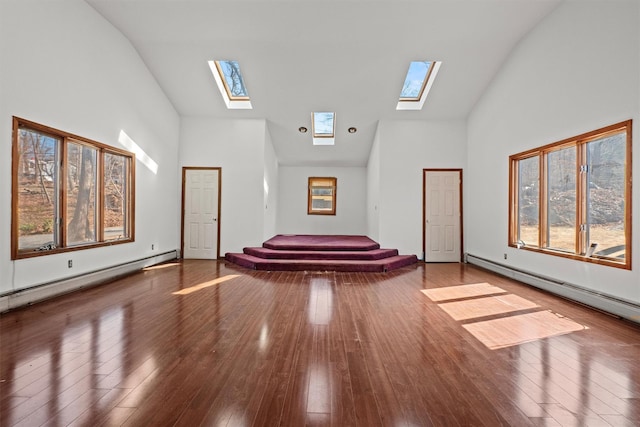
[(325, 254), (312, 242), (321, 253)]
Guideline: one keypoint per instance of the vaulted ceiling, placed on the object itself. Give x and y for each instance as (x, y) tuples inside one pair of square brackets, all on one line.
[(301, 56)]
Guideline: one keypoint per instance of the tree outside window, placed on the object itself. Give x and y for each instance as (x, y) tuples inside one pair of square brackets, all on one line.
[(573, 198), (69, 192)]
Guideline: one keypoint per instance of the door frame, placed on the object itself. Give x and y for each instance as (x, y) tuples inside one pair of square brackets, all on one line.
[(184, 181), (424, 209)]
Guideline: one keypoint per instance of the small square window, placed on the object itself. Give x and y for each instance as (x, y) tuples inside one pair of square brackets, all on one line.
[(322, 196)]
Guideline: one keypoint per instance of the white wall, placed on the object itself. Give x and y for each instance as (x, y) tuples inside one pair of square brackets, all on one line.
[(373, 189), (270, 187), (576, 72), (350, 215), (406, 148), (65, 67), (238, 147)]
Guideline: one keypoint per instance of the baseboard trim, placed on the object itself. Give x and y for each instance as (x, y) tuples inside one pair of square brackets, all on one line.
[(607, 303), (38, 293)]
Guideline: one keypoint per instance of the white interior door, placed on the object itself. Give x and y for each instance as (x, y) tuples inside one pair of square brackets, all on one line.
[(201, 213), (442, 216)]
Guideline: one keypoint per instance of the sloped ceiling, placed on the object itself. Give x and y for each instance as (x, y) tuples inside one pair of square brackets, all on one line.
[(345, 56)]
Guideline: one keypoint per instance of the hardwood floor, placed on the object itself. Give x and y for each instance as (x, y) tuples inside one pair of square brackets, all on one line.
[(207, 343)]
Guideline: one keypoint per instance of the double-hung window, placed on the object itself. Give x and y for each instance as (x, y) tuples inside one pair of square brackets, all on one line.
[(321, 196), (68, 192), (573, 198)]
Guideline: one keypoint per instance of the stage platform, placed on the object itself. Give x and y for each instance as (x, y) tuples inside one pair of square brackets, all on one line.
[(305, 252)]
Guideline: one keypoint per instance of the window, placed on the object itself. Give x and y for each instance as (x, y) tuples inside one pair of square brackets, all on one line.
[(322, 196), (573, 198), (232, 79), (68, 192), (116, 203), (415, 80), (417, 83), (82, 182), (231, 84), (323, 125)]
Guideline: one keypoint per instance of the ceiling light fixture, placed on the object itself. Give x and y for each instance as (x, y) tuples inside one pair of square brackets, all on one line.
[(302, 129), (352, 130)]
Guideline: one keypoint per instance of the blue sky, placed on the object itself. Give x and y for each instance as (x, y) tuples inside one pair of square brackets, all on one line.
[(415, 79), (323, 123)]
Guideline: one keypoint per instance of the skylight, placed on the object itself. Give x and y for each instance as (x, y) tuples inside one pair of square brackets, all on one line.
[(231, 84), (232, 79), (323, 124), (415, 80), (417, 84)]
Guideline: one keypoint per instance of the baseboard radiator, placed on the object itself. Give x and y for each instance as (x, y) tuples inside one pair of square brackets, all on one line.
[(44, 291), (607, 303)]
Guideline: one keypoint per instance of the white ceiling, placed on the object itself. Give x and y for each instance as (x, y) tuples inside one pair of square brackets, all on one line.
[(346, 56)]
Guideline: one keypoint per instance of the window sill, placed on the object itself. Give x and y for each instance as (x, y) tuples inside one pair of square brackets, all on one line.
[(609, 262), (25, 254)]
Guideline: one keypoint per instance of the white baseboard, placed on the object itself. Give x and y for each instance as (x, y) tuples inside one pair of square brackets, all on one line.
[(30, 295), (607, 303)]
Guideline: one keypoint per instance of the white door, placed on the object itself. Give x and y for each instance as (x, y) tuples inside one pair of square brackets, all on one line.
[(201, 213), (442, 226)]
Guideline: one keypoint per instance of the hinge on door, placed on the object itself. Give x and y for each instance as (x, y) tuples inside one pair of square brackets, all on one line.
[(584, 168)]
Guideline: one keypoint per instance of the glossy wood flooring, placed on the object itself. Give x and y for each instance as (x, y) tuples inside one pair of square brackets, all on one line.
[(206, 343)]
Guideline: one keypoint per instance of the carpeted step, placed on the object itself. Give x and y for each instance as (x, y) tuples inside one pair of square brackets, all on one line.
[(300, 252), (380, 265), (310, 242), (369, 255)]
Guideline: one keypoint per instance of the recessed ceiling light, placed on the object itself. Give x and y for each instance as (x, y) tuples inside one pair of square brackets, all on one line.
[(302, 129), (352, 130)]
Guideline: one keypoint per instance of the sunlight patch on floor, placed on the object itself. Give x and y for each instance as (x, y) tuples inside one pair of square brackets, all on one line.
[(487, 306), (161, 266), (461, 291), (195, 288), (514, 330), (482, 300)]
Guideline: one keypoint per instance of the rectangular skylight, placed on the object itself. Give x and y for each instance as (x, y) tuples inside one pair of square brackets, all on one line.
[(415, 80), (417, 84), (323, 125), (232, 79), (231, 84)]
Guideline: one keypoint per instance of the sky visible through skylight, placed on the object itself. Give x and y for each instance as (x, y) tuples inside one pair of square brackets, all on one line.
[(233, 78), (323, 123), (415, 79)]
